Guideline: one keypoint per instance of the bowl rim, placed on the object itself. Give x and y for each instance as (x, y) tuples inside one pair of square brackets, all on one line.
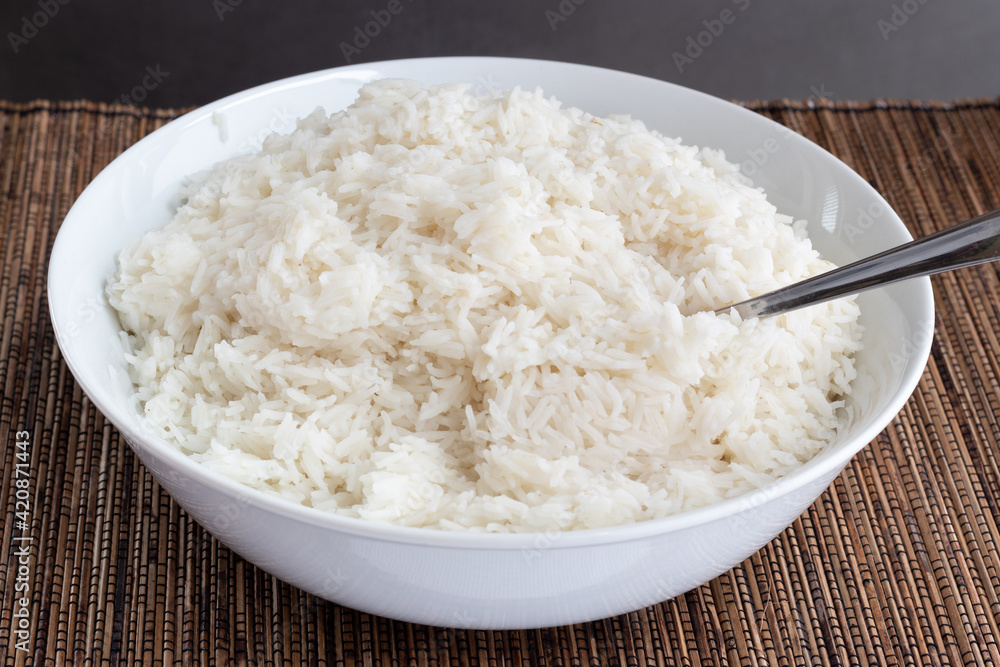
[(827, 463)]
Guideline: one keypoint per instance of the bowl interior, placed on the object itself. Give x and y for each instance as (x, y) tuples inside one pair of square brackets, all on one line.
[(847, 219)]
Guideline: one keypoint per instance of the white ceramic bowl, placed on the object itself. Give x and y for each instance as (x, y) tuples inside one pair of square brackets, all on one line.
[(475, 580)]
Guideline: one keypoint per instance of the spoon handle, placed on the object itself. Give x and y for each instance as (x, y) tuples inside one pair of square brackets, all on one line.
[(971, 242)]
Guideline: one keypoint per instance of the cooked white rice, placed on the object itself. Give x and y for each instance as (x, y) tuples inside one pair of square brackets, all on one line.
[(460, 312)]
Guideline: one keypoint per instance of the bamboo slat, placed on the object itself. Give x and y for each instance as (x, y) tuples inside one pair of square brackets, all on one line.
[(897, 563)]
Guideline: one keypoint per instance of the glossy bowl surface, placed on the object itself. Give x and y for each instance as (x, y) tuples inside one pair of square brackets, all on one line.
[(476, 580)]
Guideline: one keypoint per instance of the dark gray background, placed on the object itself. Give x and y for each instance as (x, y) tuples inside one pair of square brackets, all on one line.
[(194, 51)]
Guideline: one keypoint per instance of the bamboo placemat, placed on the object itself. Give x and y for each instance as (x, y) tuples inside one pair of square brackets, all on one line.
[(897, 563)]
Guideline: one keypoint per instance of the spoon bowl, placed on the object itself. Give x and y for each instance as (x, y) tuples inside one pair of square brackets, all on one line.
[(467, 579)]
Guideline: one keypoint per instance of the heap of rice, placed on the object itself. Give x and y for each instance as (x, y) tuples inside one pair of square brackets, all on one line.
[(460, 312)]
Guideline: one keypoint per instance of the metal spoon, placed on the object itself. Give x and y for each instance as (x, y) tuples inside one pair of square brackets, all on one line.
[(974, 241)]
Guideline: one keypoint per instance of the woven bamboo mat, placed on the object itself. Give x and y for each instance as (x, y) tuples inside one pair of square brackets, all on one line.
[(897, 563)]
